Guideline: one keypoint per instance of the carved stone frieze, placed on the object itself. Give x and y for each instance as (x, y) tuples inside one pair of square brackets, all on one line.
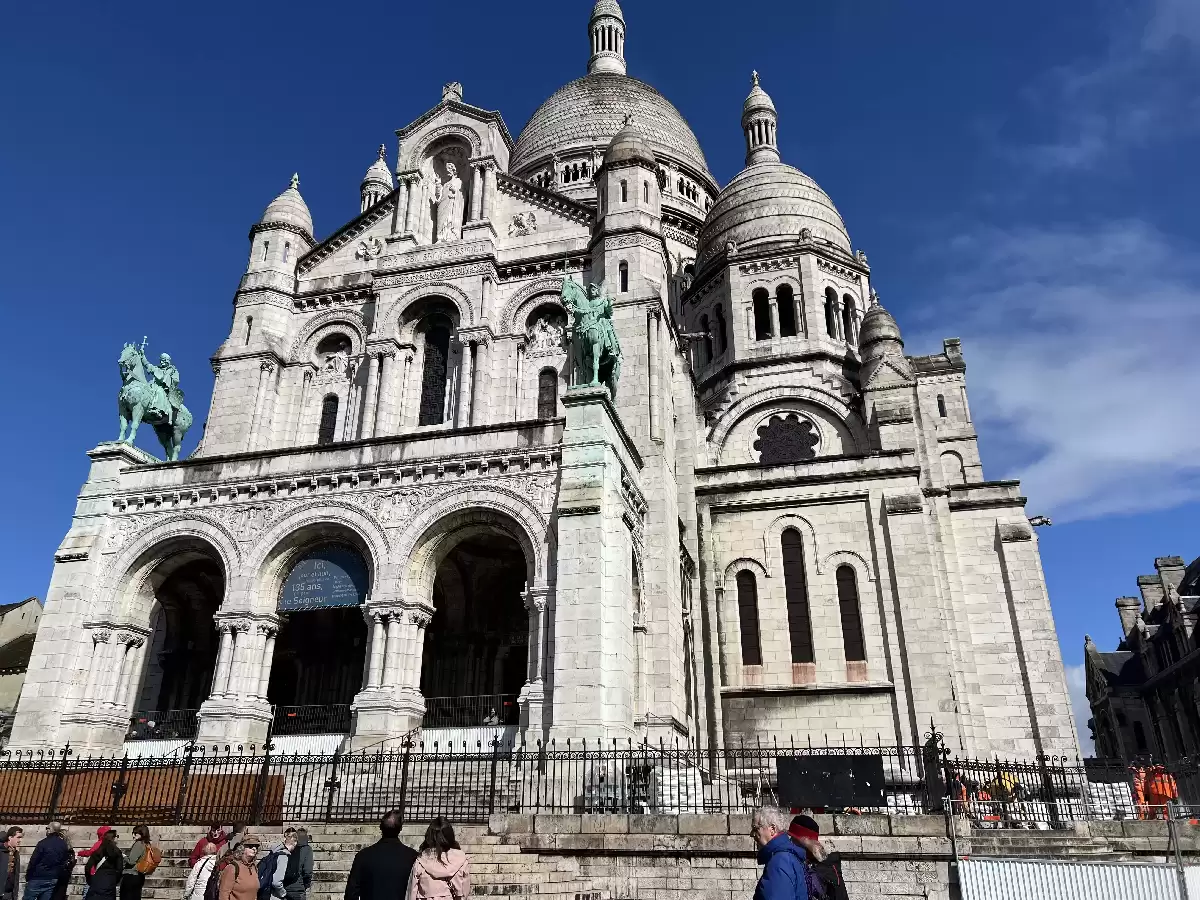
[(437, 274), (838, 271)]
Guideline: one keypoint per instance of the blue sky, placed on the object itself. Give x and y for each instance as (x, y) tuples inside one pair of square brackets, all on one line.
[(1020, 174)]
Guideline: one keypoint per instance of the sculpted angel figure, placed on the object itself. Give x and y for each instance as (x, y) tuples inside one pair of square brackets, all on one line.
[(448, 196)]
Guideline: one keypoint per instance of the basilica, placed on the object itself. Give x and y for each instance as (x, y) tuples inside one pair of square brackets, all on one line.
[(410, 512)]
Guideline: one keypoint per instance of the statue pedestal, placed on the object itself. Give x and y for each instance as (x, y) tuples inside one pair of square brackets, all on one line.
[(230, 720), (382, 717), (593, 655)]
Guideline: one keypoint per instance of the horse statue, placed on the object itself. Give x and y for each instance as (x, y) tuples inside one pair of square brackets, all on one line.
[(158, 401), (595, 350)]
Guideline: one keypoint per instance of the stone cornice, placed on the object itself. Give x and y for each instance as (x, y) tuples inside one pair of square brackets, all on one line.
[(347, 233), (323, 299), (558, 264), (545, 199), (281, 226), (490, 116)]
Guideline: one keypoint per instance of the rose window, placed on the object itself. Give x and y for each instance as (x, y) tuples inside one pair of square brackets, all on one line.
[(786, 439)]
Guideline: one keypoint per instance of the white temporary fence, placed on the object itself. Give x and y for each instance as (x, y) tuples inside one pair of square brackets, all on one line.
[(1018, 879)]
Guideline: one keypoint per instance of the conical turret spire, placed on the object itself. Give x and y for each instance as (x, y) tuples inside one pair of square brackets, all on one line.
[(758, 124)]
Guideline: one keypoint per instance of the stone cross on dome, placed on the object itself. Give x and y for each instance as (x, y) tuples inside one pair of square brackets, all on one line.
[(295, 182)]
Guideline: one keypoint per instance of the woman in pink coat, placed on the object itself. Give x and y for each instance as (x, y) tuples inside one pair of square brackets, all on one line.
[(440, 872)]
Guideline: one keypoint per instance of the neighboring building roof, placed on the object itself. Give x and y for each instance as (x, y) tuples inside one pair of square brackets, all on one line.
[(1190, 586), (589, 111), (6, 608), (16, 653), (1120, 668)]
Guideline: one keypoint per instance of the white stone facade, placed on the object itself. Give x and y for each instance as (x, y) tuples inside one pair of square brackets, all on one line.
[(402, 388)]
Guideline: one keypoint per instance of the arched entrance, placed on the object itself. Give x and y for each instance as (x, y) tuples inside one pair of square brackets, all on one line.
[(177, 674), (476, 648), (320, 650)]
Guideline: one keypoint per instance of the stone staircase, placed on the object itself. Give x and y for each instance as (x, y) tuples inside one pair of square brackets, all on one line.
[(497, 868)]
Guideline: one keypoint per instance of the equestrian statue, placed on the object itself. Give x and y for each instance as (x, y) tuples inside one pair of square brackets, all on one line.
[(595, 351), (158, 401)]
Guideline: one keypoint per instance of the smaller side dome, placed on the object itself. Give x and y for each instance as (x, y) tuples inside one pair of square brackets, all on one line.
[(289, 208), (879, 335), (379, 173), (758, 98), (629, 145), (607, 8)]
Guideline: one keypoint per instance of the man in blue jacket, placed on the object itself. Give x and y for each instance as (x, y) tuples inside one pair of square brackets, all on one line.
[(784, 876), (52, 858)]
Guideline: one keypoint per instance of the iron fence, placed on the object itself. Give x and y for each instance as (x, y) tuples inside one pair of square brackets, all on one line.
[(332, 718), (468, 783)]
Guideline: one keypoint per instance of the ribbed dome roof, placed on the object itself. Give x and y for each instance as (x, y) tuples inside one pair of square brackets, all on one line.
[(878, 325), (589, 111), (289, 208), (379, 173), (769, 202), (628, 144), (758, 99), (607, 8)]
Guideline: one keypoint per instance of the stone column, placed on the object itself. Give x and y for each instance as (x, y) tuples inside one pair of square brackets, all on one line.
[(418, 621), (535, 605), (516, 393), (774, 304), (654, 364), (465, 380), (375, 679), (100, 641), (224, 654), (298, 425), (481, 394), (367, 428), (476, 193), (116, 688), (265, 370), (489, 189), (128, 696), (411, 181), (383, 415), (269, 632), (393, 654), (406, 374)]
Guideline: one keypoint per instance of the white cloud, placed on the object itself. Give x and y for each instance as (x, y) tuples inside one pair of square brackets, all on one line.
[(1139, 91), (1076, 687), (1080, 347)]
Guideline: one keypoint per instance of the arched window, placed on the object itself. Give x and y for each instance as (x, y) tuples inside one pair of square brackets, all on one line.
[(547, 393), (708, 347), (624, 192), (646, 191), (583, 170), (762, 314), (1139, 737), (952, 468), (266, 249), (329, 411), (852, 633), (249, 327), (847, 318), (941, 401), (747, 597), (831, 312), (680, 186), (287, 251), (796, 588), (433, 375), (623, 269), (722, 331), (787, 310)]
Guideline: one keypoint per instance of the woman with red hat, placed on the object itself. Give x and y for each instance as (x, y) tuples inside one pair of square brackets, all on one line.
[(824, 868)]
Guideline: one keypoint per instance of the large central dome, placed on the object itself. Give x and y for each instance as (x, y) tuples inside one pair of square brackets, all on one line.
[(586, 113)]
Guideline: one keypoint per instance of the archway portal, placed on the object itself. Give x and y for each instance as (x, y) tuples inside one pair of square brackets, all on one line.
[(182, 647), (321, 648), (477, 646)]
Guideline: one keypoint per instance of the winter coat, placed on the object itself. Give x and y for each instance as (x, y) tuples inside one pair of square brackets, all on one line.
[(440, 877), (299, 875), (282, 855), (100, 833), (103, 873), (825, 878), (784, 874), (238, 881), (197, 880), (381, 871), (51, 857), (7, 858), (198, 852)]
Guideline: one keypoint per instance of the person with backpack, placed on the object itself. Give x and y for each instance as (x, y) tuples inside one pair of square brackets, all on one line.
[(272, 868), (824, 869), (142, 859), (440, 872), (104, 868), (784, 875), (298, 877), (238, 879), (216, 835), (51, 858), (201, 872)]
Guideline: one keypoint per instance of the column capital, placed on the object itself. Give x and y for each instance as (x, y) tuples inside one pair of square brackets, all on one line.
[(267, 365), (420, 618), (537, 597)]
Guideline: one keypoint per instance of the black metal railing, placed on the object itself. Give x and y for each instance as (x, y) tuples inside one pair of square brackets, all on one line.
[(331, 719), (201, 784), (471, 711), (163, 725)]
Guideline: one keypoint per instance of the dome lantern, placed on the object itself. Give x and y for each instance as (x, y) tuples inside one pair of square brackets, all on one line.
[(606, 28), (759, 121), (377, 183)]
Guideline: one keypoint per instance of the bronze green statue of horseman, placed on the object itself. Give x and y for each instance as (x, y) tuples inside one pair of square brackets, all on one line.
[(156, 400), (595, 352)]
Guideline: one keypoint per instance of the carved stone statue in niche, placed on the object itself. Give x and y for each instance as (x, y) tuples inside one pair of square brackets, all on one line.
[(547, 334), (448, 197), (337, 361)]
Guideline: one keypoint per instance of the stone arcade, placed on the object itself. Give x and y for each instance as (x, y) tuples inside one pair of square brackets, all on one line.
[(403, 514)]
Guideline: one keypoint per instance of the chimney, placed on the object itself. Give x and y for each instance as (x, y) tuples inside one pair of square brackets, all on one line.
[(1170, 570), (1151, 587), (1128, 609)]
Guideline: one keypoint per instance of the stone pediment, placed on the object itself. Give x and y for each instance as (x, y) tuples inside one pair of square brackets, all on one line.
[(546, 205), (887, 373), (484, 130), (353, 247)]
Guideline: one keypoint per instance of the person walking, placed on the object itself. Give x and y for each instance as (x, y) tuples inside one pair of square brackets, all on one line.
[(197, 880), (51, 857), (784, 876), (104, 867), (63, 885), (10, 864), (273, 867), (216, 835), (381, 871), (239, 879), (134, 877), (298, 877), (440, 872), (824, 868)]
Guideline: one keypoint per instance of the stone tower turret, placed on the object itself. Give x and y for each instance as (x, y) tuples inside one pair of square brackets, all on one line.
[(606, 28), (759, 122), (377, 183), (283, 234)]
